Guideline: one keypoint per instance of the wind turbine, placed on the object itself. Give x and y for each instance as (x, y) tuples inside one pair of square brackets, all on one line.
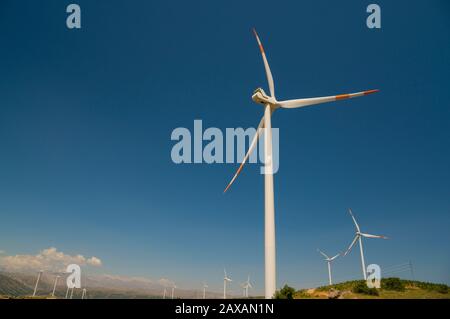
[(37, 282), (173, 289), (358, 237), (270, 105), (54, 286), (204, 289), (247, 285), (225, 280), (328, 260), (67, 292), (165, 292), (83, 295)]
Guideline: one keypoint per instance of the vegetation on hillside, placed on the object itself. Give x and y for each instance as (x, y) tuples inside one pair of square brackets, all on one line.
[(285, 293), (391, 288)]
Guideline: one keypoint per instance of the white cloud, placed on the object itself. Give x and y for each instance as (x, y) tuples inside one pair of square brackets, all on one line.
[(94, 261), (49, 259)]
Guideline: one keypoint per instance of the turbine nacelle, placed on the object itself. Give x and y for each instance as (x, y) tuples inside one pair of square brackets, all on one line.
[(260, 97)]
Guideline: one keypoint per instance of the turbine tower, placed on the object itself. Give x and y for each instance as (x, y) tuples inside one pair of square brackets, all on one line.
[(173, 289), (328, 260), (225, 280), (54, 286), (204, 289), (358, 237), (247, 285), (270, 104), (37, 282), (83, 295), (165, 292)]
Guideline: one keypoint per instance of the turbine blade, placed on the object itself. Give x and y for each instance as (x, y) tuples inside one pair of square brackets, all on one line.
[(250, 150), (373, 236), (266, 65), (292, 104), (351, 245), (333, 258), (354, 220), (323, 254)]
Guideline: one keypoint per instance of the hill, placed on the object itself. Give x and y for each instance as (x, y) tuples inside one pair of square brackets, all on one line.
[(391, 288), (12, 287), (21, 285)]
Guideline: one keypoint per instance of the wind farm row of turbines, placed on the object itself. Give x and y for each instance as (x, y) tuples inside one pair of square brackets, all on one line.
[(246, 285), (358, 238), (359, 235), (67, 296)]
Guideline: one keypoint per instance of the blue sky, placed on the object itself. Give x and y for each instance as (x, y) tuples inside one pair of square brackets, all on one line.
[(86, 117)]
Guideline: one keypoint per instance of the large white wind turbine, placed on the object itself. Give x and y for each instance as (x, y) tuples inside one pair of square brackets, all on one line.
[(247, 285), (358, 237), (270, 105), (204, 289), (37, 282), (328, 260), (225, 280)]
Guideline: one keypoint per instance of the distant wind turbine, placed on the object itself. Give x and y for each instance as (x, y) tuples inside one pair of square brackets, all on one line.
[(83, 295), (173, 289), (204, 290), (358, 237), (54, 286), (329, 260), (165, 292), (247, 285), (37, 282), (225, 280), (271, 104)]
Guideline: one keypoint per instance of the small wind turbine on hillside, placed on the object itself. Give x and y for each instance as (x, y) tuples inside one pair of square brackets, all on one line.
[(270, 105), (83, 295), (358, 237), (37, 282), (247, 285), (225, 280), (54, 286), (204, 289), (173, 290), (67, 292), (328, 260)]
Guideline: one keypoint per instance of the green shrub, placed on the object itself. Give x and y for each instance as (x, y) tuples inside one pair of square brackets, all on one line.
[(285, 293), (394, 284), (443, 289), (361, 288)]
